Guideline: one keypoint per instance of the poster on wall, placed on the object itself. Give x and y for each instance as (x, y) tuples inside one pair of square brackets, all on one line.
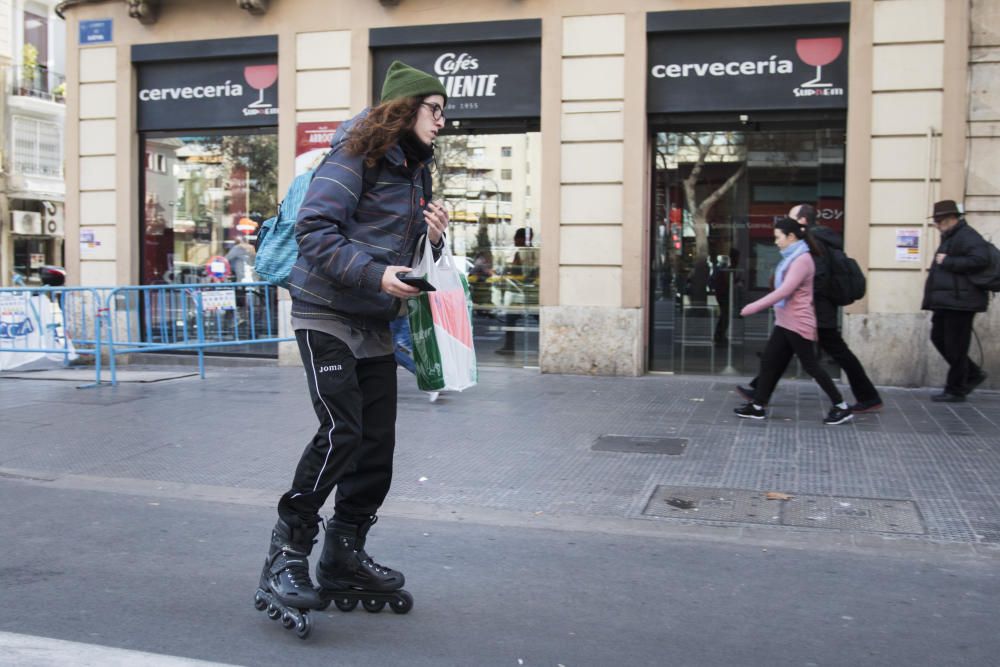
[(908, 246), (312, 142), (747, 70)]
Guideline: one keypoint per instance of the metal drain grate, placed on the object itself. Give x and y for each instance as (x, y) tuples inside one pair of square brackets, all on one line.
[(640, 445), (876, 515)]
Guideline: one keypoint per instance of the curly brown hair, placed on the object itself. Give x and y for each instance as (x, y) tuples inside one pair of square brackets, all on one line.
[(376, 133)]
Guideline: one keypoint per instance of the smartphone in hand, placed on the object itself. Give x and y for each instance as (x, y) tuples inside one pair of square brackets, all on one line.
[(419, 282)]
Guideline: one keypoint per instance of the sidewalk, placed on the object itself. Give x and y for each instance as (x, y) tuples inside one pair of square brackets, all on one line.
[(523, 443)]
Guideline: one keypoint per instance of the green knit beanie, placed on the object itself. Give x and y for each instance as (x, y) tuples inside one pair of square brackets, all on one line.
[(404, 81)]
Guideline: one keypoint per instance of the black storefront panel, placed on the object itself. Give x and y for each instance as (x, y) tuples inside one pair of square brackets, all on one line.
[(789, 58), (494, 73), (207, 85)]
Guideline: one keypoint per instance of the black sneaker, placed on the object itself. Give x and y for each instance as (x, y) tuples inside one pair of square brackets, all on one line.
[(948, 397), (750, 411), (745, 392), (838, 416), (872, 405)]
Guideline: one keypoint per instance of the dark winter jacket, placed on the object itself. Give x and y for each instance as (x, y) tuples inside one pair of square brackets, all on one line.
[(948, 286), (345, 244), (826, 310)]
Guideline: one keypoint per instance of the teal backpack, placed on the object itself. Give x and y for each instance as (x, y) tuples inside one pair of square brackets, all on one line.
[(277, 249), (276, 246)]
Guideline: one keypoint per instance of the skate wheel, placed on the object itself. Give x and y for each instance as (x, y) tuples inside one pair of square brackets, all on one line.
[(303, 626), (259, 603), (288, 620), (346, 604), (373, 606), (273, 612), (324, 606), (402, 603)]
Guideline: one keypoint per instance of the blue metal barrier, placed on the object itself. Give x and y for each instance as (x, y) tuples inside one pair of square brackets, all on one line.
[(36, 322), (189, 317), (105, 322)]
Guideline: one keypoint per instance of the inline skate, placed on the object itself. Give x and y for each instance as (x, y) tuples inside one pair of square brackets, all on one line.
[(285, 591), (347, 575)]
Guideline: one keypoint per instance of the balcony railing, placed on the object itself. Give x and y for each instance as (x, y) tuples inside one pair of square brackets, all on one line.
[(38, 81)]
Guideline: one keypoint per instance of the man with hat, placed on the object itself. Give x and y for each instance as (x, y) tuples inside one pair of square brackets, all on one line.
[(954, 299)]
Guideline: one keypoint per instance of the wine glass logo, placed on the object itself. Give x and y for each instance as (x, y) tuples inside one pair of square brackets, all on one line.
[(260, 77), (818, 51)]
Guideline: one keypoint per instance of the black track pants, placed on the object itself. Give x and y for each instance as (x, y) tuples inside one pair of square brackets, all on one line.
[(781, 347), (355, 402)]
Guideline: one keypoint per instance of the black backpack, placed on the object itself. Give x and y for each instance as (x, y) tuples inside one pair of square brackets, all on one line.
[(988, 278), (846, 283)]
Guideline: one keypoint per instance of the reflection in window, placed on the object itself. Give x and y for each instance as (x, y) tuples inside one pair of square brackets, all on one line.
[(716, 196), (494, 234), (197, 191)]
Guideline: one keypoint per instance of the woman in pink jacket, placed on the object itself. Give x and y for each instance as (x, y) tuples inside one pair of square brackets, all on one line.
[(794, 323)]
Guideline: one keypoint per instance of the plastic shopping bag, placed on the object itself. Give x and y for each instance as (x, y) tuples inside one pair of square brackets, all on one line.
[(441, 325)]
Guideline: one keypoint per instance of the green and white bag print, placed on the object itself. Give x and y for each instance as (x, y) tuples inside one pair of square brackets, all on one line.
[(441, 325)]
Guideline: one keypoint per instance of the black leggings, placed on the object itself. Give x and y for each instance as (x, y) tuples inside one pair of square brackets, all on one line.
[(781, 347)]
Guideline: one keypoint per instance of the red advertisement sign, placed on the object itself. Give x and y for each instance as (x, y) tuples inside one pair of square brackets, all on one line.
[(312, 141)]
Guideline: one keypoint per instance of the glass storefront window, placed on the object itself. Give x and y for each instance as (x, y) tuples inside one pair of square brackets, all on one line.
[(494, 234), (716, 196), (203, 196)]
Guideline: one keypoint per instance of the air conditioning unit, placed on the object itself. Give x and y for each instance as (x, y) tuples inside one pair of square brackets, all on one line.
[(53, 220), (26, 222)]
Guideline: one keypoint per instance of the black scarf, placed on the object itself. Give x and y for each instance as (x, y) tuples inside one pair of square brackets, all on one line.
[(415, 151)]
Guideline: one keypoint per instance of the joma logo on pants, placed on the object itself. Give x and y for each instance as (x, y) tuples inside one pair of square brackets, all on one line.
[(330, 368)]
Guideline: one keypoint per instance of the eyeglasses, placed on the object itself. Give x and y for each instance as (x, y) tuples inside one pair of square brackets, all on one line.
[(437, 113)]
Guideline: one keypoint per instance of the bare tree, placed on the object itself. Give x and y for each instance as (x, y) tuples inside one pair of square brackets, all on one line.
[(708, 148)]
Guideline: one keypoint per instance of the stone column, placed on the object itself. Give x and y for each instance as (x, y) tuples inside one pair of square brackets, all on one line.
[(322, 93), (590, 328)]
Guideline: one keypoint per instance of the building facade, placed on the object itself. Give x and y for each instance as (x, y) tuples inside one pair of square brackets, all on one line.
[(33, 110), (613, 168)]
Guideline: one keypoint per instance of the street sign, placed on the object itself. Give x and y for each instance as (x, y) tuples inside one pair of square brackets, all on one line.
[(96, 31), (217, 267)]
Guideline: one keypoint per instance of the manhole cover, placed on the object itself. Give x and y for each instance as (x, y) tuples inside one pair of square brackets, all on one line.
[(876, 515), (734, 505), (640, 445)]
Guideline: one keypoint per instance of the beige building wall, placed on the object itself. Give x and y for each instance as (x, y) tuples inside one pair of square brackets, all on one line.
[(982, 190), (104, 258), (906, 147), (590, 329), (907, 153)]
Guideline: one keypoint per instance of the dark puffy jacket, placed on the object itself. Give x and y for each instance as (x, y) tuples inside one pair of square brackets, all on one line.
[(948, 286), (345, 244), (826, 310)]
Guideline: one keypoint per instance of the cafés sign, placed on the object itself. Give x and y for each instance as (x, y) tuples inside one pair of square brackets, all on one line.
[(489, 80)]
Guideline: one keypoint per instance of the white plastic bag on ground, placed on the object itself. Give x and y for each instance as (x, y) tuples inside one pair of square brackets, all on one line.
[(32, 322), (441, 325)]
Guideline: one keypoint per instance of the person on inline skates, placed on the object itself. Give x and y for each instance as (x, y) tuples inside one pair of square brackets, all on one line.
[(353, 239)]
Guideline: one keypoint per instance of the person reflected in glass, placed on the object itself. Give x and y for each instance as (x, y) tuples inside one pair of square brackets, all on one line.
[(522, 272)]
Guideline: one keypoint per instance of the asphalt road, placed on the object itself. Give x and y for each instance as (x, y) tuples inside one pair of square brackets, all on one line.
[(167, 575)]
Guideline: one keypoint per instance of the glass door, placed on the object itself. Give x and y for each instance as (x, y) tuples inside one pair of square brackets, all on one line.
[(716, 197), (490, 184)]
